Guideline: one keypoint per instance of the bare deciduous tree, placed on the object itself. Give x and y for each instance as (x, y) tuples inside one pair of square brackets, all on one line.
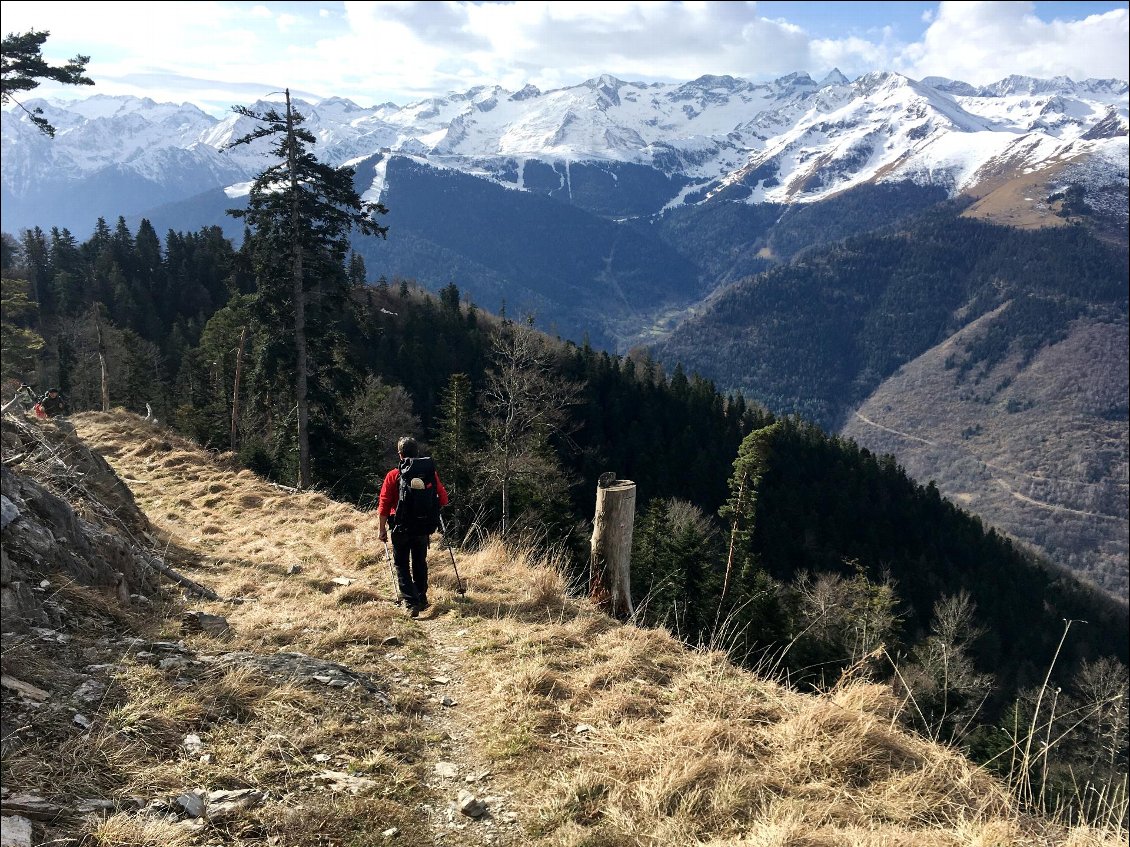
[(379, 414), (523, 404), (852, 617), (947, 688), (1102, 687)]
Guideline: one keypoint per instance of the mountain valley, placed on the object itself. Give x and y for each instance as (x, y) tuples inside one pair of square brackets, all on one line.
[(703, 222)]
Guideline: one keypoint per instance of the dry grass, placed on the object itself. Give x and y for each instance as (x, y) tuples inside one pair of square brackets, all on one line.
[(132, 831), (603, 734), (679, 747)]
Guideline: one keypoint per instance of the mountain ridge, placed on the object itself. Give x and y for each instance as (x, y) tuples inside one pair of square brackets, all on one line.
[(789, 140), (988, 342)]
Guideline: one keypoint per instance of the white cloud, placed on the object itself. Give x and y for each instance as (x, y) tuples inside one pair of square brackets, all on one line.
[(853, 55), (216, 52), (982, 42), (555, 43), (434, 47)]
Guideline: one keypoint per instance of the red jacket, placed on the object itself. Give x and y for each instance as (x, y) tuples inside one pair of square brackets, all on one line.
[(390, 493)]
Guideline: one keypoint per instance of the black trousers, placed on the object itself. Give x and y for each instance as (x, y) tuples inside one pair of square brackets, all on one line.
[(410, 554)]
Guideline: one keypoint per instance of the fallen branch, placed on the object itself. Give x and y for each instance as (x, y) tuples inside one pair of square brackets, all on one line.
[(30, 806), (182, 580)]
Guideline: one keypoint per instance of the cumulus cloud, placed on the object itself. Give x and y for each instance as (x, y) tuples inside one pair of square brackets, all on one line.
[(215, 52), (211, 53), (982, 42), (555, 43), (434, 47)]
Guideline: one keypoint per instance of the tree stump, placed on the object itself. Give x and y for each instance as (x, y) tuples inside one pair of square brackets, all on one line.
[(610, 583)]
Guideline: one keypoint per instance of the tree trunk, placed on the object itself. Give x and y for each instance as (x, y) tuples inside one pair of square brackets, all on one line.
[(235, 391), (505, 506), (102, 362), (505, 489), (733, 541), (299, 308), (610, 583)]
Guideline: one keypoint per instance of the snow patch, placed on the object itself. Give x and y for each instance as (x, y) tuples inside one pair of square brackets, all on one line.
[(377, 186), (240, 189)]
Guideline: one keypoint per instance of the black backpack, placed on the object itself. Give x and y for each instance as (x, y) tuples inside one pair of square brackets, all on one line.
[(417, 512)]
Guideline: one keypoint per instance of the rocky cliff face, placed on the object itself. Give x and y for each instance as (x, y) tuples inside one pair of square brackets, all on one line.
[(67, 518)]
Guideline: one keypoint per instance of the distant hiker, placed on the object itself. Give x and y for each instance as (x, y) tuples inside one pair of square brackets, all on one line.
[(53, 403), (411, 498)]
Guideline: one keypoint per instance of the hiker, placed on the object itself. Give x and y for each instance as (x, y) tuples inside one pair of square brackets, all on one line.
[(411, 497), (53, 403)]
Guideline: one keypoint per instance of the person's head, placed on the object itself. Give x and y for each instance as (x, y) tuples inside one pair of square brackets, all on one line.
[(53, 392), (407, 447)]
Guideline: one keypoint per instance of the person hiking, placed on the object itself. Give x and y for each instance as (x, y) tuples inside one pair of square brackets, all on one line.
[(410, 500), (53, 403)]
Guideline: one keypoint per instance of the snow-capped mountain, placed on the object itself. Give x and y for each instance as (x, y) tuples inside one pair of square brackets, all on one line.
[(787, 141)]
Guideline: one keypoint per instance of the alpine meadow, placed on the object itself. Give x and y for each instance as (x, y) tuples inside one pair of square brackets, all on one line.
[(778, 429)]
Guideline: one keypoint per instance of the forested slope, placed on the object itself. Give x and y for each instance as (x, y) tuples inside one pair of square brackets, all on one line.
[(818, 336)]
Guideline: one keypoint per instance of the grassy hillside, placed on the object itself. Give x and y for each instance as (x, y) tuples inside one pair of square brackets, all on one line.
[(571, 728)]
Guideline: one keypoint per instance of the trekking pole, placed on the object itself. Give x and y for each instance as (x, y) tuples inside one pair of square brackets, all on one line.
[(392, 574), (460, 587)]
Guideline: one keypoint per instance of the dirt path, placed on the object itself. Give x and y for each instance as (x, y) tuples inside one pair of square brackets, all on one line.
[(1010, 471), (455, 770), (1041, 504)]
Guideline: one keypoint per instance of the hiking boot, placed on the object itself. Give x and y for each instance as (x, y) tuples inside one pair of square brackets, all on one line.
[(413, 611), (424, 604)]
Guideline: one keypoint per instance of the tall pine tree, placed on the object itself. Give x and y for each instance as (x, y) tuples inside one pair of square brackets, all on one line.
[(300, 212)]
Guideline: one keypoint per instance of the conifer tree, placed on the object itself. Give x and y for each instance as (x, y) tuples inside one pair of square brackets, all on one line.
[(452, 444), (675, 557), (741, 507), (19, 342), (357, 272), (303, 210), (35, 254), (23, 67)]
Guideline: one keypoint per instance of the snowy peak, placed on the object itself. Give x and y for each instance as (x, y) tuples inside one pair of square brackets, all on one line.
[(886, 126), (834, 77), (788, 140), (1013, 85), (950, 86), (528, 92), (607, 88), (793, 83), (1113, 125)]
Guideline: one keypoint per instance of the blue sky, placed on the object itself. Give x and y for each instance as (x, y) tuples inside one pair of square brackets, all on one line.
[(216, 53)]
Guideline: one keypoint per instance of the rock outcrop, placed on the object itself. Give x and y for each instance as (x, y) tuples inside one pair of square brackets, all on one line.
[(65, 516)]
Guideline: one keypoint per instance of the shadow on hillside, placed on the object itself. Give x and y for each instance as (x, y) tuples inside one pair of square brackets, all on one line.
[(532, 611)]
